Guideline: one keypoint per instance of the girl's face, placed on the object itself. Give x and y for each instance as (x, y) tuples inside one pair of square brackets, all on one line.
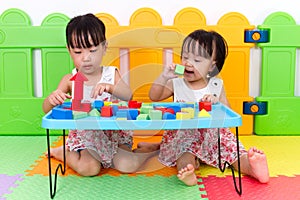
[(88, 60), (197, 67)]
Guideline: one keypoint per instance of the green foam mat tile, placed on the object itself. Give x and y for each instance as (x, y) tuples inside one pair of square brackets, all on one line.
[(106, 187), (19, 153)]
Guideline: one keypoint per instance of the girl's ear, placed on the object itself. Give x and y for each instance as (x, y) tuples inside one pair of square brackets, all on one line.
[(213, 66), (105, 45)]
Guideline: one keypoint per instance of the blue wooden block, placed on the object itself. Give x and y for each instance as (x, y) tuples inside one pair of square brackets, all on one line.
[(256, 36), (132, 114), (168, 115), (122, 113), (98, 104), (59, 112)]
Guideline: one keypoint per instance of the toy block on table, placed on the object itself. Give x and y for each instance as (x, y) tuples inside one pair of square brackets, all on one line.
[(78, 79), (203, 113), (94, 113), (106, 111), (170, 110), (168, 115), (79, 114), (134, 104), (179, 69), (175, 108), (132, 114), (98, 104), (155, 114), (61, 113), (189, 110), (205, 105), (77, 105), (145, 109), (183, 115), (142, 117), (107, 103), (121, 115)]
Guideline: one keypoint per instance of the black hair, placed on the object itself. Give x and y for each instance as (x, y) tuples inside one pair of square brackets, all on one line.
[(81, 27), (209, 42)]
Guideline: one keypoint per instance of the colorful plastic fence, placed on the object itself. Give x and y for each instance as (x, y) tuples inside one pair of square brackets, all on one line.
[(139, 49)]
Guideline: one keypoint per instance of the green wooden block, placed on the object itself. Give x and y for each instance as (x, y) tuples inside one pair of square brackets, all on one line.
[(179, 69), (94, 113), (155, 114), (142, 117)]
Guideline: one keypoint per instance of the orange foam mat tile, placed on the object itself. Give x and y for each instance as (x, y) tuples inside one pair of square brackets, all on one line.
[(151, 168)]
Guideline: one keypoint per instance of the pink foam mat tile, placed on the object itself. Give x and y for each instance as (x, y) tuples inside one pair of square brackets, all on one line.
[(7, 182), (281, 187)]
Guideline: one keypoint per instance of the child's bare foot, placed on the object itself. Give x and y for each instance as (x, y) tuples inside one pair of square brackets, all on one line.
[(145, 147), (187, 175), (56, 153), (258, 165)]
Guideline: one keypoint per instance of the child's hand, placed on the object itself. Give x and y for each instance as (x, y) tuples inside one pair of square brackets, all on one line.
[(210, 98), (169, 72), (99, 89), (57, 97)]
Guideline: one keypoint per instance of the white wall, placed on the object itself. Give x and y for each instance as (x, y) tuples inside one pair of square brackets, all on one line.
[(255, 11)]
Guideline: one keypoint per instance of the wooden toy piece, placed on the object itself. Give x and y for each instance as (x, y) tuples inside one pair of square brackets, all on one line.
[(179, 69), (142, 117), (134, 104), (79, 114), (203, 113), (78, 79), (205, 105), (175, 108), (106, 111), (94, 112), (189, 110), (121, 114), (77, 105), (98, 104), (59, 112), (155, 114), (170, 110), (107, 103), (132, 114), (168, 115), (145, 109), (183, 115)]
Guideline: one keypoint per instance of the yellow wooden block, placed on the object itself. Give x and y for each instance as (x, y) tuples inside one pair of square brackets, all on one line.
[(203, 113), (107, 103), (189, 110), (183, 115)]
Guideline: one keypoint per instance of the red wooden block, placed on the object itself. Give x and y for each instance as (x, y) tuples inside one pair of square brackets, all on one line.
[(205, 105), (170, 110), (78, 106), (106, 111), (134, 104)]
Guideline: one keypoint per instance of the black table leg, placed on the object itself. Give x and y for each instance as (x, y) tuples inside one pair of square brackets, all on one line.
[(62, 168), (238, 190)]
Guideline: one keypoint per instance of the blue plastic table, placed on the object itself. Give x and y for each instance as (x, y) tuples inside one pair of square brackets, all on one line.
[(220, 117)]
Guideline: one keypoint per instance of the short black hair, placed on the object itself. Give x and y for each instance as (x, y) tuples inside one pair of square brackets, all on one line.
[(209, 42), (81, 27)]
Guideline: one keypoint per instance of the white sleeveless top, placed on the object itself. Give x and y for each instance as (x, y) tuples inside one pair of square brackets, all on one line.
[(108, 76), (182, 93)]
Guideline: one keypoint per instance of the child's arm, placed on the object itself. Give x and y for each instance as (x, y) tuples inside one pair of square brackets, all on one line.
[(162, 88), (58, 96), (120, 89)]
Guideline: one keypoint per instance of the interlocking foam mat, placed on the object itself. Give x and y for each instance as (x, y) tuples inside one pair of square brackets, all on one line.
[(24, 175)]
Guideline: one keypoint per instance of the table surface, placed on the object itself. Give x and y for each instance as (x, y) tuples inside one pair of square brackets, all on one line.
[(221, 116)]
